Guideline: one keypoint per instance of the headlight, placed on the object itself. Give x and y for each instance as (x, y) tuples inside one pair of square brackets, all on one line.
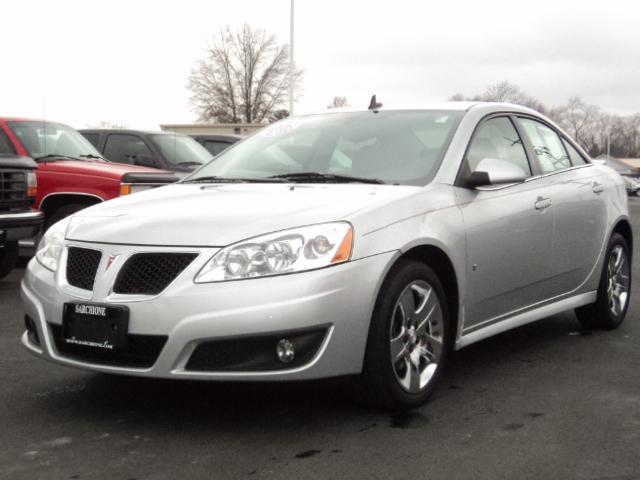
[(50, 247), (288, 251)]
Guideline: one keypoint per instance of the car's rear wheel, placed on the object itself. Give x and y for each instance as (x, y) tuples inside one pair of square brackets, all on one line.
[(9, 254), (612, 302), (409, 338)]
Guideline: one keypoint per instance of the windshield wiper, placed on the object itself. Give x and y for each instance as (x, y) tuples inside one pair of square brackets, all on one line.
[(213, 179), (54, 156), (91, 155), (325, 177)]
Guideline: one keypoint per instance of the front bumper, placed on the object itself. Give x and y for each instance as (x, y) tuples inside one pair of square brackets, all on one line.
[(339, 299), (18, 226)]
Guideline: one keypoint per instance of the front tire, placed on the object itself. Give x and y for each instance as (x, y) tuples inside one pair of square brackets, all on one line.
[(63, 212), (410, 338), (614, 290)]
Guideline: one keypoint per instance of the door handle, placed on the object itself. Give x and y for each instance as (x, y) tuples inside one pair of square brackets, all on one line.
[(542, 203), (597, 187)]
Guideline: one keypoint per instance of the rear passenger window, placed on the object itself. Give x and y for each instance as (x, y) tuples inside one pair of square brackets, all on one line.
[(547, 146), (574, 155), (124, 148), (5, 144), (497, 138), (92, 137)]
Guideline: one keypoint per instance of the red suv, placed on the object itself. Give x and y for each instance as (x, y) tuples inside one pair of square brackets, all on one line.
[(71, 173)]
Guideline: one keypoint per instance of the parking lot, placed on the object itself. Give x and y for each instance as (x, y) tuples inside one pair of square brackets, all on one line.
[(544, 401)]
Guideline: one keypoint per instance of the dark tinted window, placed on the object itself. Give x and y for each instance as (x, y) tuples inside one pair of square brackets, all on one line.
[(574, 155), (215, 147), (94, 138), (497, 138), (124, 148), (547, 145), (5, 144)]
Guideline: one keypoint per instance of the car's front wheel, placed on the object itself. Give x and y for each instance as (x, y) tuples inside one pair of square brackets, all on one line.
[(612, 302), (409, 338)]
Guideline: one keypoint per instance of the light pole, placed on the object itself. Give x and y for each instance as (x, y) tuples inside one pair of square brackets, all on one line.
[(291, 64)]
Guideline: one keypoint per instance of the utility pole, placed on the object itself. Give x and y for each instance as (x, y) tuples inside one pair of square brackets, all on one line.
[(608, 141), (291, 64)]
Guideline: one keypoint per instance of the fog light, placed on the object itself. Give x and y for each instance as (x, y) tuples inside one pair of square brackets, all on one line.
[(286, 351)]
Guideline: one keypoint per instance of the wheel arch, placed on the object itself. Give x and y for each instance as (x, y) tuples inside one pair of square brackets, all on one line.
[(623, 227), (437, 259), (54, 201)]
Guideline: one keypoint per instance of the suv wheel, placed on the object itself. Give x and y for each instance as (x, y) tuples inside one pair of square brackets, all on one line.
[(612, 302), (8, 258), (409, 338)]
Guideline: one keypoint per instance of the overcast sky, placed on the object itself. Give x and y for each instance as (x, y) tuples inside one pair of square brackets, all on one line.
[(81, 62)]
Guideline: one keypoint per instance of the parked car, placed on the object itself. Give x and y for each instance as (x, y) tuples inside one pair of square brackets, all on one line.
[(18, 186), (215, 144), (630, 175), (71, 174), (367, 243), (166, 150)]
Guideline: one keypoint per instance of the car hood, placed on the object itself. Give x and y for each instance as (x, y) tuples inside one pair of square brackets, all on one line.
[(95, 168), (218, 215)]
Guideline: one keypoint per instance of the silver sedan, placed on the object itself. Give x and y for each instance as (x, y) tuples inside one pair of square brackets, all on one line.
[(365, 243)]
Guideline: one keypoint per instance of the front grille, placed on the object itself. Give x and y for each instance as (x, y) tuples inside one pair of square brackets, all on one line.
[(141, 351), (13, 190), (151, 273), (82, 266)]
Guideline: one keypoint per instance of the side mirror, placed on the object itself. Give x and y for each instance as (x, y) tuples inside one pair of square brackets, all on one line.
[(493, 171), (144, 161)]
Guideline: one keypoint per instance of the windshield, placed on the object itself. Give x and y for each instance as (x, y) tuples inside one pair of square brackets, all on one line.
[(43, 139), (181, 150), (398, 147)]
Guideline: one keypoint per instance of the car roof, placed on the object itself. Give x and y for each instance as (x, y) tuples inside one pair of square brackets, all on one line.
[(216, 136), (437, 106), (23, 119)]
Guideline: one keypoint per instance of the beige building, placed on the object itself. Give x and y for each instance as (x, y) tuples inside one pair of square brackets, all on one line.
[(213, 128)]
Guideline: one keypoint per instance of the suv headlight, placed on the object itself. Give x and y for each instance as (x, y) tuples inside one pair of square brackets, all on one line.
[(51, 245), (287, 251)]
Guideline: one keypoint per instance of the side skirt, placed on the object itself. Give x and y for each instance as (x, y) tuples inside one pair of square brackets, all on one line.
[(529, 316)]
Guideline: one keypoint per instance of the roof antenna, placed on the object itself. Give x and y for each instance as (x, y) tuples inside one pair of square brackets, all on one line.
[(374, 105)]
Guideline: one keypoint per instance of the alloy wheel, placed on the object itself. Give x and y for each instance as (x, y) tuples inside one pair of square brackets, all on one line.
[(618, 280), (416, 336)]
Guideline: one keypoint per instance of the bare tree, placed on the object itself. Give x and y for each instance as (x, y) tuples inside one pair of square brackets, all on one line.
[(338, 102), (577, 117), (278, 115), (243, 78)]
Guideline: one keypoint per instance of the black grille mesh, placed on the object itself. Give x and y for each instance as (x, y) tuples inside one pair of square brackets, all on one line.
[(82, 266), (151, 273), (13, 190)]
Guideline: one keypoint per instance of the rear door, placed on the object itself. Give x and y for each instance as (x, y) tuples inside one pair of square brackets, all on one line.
[(509, 230), (578, 202)]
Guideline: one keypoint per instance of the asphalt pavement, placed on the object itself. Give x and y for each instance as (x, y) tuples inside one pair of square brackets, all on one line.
[(545, 401)]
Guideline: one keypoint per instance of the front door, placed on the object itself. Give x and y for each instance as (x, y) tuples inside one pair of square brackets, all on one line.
[(509, 231)]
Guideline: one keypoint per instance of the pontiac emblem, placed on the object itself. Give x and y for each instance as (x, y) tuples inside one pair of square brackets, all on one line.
[(110, 260)]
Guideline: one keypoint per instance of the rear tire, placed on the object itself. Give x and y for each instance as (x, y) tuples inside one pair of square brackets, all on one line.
[(614, 290), (410, 323), (8, 258)]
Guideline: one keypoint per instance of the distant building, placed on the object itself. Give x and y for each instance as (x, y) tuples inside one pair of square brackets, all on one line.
[(213, 128)]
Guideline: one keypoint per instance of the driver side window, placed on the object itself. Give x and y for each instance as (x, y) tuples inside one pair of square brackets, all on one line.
[(497, 138)]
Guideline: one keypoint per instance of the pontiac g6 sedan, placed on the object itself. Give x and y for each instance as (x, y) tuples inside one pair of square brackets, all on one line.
[(364, 243)]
